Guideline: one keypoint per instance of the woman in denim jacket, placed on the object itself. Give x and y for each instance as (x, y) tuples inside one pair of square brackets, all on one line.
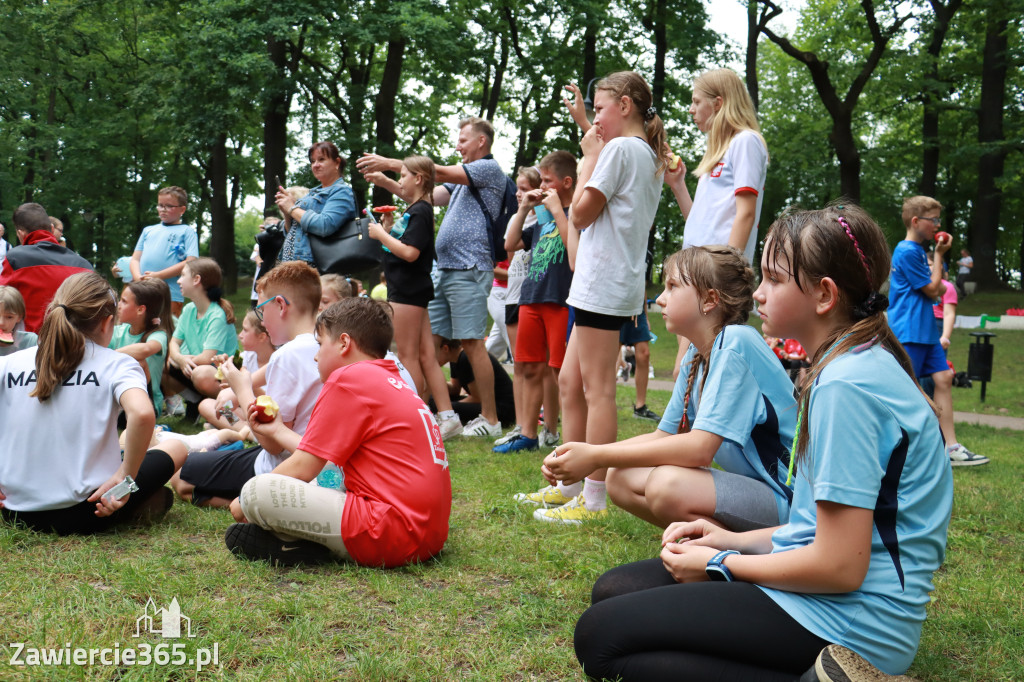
[(321, 212)]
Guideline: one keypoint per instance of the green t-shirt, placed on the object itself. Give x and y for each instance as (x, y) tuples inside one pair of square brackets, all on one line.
[(211, 331), (123, 337)]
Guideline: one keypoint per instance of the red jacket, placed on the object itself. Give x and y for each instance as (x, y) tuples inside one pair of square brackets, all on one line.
[(36, 269)]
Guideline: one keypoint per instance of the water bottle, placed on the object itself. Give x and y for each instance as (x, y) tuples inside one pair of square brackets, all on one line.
[(331, 477), (398, 229)]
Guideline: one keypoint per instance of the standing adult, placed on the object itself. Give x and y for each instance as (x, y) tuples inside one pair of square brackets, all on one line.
[(464, 254), (40, 265), (4, 246), (963, 272), (323, 211)]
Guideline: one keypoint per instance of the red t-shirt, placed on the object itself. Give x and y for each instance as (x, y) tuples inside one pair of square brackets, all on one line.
[(398, 487)]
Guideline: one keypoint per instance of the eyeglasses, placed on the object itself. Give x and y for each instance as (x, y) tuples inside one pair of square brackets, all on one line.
[(259, 313), (165, 207), (934, 221)]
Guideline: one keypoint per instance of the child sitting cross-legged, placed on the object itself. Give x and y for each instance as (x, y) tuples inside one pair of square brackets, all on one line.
[(396, 500)]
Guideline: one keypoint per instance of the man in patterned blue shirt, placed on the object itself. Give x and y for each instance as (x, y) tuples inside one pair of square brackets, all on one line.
[(465, 263)]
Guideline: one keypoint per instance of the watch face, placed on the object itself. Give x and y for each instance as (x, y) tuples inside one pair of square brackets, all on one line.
[(717, 574)]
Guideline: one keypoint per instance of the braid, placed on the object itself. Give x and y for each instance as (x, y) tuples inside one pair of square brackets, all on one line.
[(695, 364)]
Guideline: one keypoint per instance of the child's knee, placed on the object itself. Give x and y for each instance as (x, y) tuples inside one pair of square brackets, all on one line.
[(943, 380)]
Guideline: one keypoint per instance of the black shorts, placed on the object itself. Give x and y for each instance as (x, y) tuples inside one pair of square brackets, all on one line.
[(180, 377), (636, 330), (585, 318), (220, 473), (511, 313), (156, 469)]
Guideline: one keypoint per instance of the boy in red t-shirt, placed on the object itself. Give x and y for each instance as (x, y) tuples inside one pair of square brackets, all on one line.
[(394, 506)]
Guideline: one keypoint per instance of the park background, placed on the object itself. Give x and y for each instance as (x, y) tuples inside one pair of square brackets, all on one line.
[(102, 102)]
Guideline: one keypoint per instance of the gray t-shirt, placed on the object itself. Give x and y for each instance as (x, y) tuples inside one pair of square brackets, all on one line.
[(462, 241)]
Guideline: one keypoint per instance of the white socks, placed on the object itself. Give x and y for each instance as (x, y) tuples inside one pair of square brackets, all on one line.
[(594, 494), (570, 491)]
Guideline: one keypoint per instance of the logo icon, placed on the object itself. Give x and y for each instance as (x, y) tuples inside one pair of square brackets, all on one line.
[(169, 620)]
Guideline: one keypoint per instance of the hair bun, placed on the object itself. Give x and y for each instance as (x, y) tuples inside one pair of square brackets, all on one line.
[(650, 113), (872, 305)]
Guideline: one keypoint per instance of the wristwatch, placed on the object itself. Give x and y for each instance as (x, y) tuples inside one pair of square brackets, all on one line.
[(716, 570)]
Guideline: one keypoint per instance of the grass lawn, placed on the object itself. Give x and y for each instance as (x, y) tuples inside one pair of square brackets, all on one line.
[(499, 603)]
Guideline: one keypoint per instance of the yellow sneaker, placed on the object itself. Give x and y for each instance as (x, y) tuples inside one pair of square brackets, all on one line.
[(546, 498), (573, 512)]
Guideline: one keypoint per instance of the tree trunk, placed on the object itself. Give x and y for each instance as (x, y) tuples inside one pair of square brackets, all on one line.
[(753, 31), (988, 201), (384, 109), (275, 124), (660, 50), (934, 92), (222, 227), (499, 76)]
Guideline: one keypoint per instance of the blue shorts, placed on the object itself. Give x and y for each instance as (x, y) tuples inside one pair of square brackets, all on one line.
[(927, 358), (635, 330), (459, 308)]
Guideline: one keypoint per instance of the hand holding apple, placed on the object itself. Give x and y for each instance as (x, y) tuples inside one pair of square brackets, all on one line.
[(264, 409)]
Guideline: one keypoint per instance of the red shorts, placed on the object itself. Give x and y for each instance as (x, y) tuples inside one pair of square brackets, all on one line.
[(541, 335)]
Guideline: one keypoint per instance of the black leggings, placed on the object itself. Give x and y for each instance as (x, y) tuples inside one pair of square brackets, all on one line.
[(645, 626), (157, 468)]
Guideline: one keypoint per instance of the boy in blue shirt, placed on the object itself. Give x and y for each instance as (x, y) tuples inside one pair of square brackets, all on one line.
[(164, 248), (913, 288)]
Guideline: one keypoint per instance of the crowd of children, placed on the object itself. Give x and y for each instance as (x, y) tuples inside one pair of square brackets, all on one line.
[(788, 519)]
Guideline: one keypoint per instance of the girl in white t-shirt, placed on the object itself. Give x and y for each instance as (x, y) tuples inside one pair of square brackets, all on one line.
[(730, 189), (617, 193), (59, 403)]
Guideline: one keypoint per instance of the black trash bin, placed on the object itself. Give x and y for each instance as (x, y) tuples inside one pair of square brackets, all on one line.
[(979, 359)]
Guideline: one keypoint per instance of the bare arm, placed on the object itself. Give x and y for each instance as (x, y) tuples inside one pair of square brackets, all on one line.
[(141, 351), (676, 180), (301, 465), (936, 288), (836, 561), (135, 265), (587, 202), (171, 271), (743, 223)]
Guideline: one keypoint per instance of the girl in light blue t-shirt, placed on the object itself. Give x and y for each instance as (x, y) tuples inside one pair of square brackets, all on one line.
[(838, 592), (733, 406)]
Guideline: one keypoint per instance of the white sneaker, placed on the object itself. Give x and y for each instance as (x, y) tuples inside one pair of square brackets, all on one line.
[(650, 372), (174, 406), (449, 427), (481, 427), (512, 433), (548, 439)]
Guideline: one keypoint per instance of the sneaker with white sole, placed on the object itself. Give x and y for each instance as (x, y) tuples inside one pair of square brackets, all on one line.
[(481, 427), (838, 664), (449, 427), (253, 542), (574, 512), (548, 439), (174, 406), (512, 433), (959, 456), (546, 498), (518, 444)]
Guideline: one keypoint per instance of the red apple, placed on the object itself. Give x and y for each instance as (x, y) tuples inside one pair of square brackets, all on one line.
[(943, 237), (266, 409)]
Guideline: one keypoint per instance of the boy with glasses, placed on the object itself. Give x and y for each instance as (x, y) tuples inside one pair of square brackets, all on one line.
[(914, 286), (289, 296), (164, 248)]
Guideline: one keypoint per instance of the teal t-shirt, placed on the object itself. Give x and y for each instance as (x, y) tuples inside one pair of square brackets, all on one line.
[(211, 331), (22, 340), (123, 337)]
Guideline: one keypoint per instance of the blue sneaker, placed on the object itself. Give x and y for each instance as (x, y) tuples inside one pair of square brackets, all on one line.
[(517, 444)]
